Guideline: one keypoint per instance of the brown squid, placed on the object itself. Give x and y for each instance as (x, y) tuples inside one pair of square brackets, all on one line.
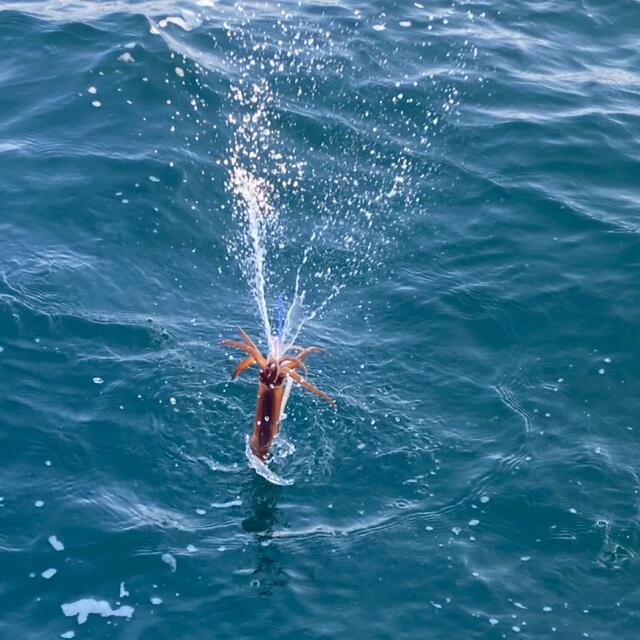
[(274, 370)]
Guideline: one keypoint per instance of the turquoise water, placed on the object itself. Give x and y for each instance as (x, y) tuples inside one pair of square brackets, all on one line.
[(453, 186)]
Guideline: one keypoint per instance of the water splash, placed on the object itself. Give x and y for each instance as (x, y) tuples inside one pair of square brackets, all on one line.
[(302, 238), (255, 215), (324, 160), (318, 205), (262, 469)]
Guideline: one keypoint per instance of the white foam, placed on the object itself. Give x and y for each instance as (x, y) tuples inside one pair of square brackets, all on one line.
[(225, 505), (180, 72), (174, 20), (167, 558), (155, 600), (96, 104), (126, 57), (49, 573), (378, 27), (68, 634), (123, 592), (188, 21), (84, 607), (56, 543)]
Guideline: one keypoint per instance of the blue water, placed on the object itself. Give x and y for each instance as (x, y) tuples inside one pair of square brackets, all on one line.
[(454, 186)]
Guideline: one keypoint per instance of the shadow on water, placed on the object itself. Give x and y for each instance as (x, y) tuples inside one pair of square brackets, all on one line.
[(263, 497)]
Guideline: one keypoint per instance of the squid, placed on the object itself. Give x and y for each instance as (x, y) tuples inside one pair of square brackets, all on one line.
[(274, 371)]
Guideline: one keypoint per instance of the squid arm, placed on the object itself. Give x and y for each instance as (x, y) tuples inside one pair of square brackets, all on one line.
[(247, 339), (248, 347), (303, 352), (309, 387), (289, 362), (245, 364)]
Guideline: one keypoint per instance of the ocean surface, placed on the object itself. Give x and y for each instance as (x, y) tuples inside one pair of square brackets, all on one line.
[(444, 196)]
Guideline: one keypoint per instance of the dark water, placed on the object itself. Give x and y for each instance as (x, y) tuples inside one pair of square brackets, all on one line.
[(472, 174)]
